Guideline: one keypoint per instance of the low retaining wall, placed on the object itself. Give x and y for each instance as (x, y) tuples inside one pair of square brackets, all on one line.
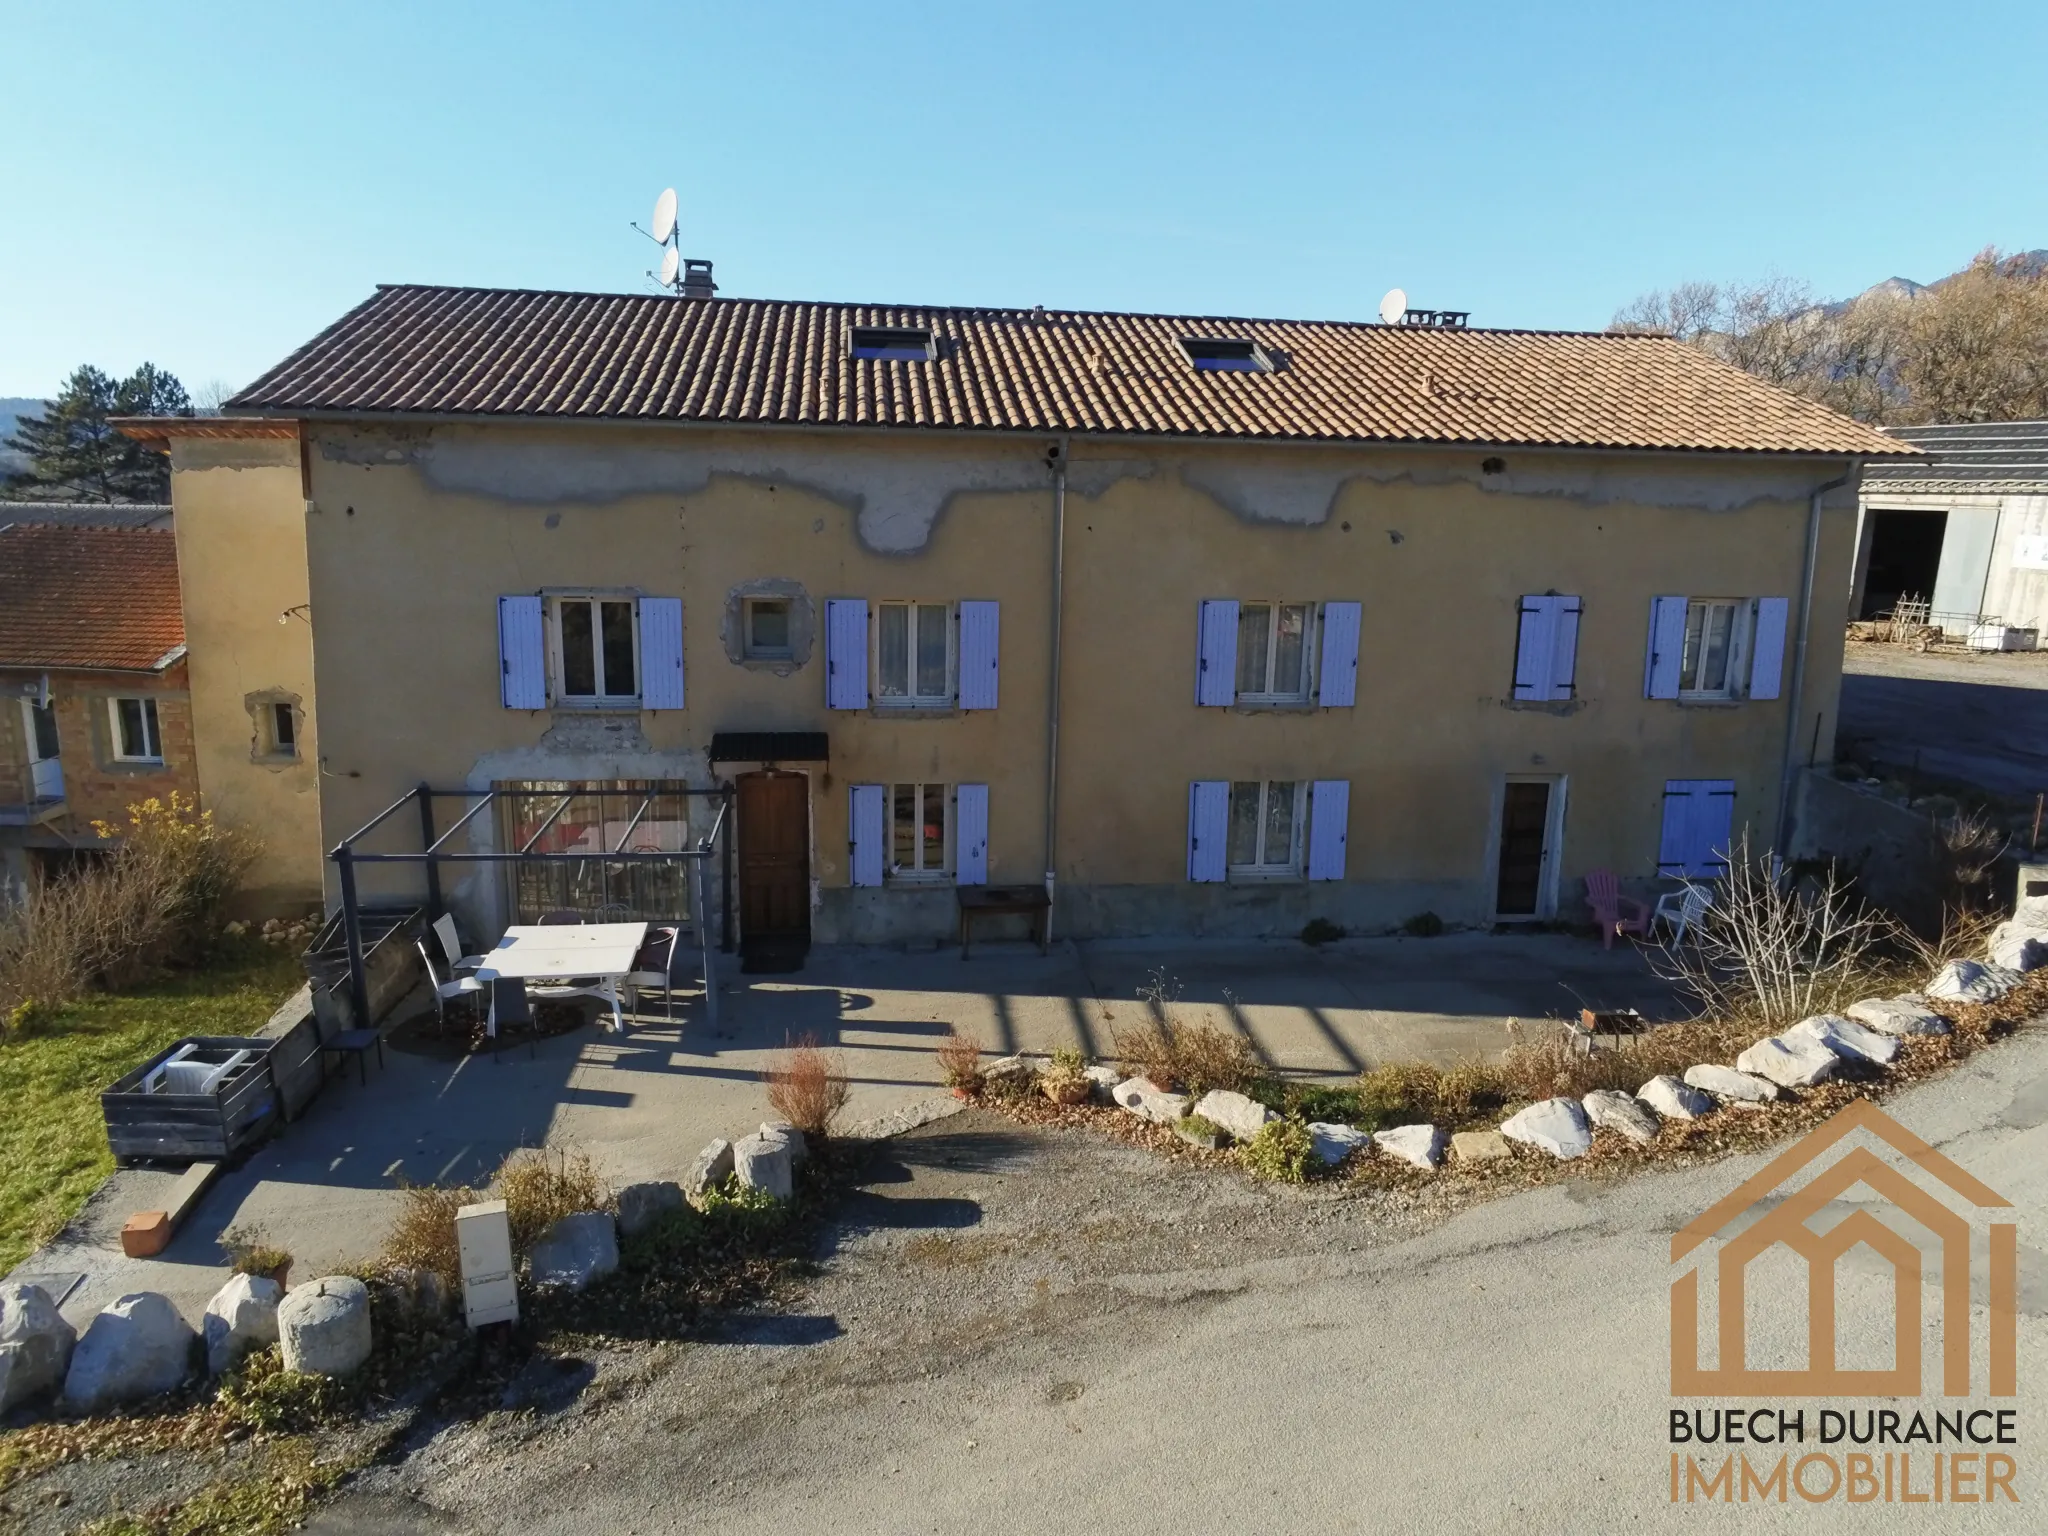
[(1892, 849)]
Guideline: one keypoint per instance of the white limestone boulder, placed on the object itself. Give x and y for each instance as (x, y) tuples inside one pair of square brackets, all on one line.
[(1730, 1086), (1611, 1109), (1148, 1101), (1846, 1038), (2019, 946), (575, 1251), (763, 1163), (1018, 1072), (35, 1344), (241, 1316), (1242, 1116), (1556, 1126), (799, 1144), (1422, 1145), (136, 1348), (711, 1169), (1907, 1015), (1971, 981), (1102, 1083), (1480, 1147), (324, 1327), (1675, 1100), (1333, 1143), (642, 1205), (1789, 1062)]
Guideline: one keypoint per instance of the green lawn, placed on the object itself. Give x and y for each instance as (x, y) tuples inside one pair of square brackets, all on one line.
[(53, 1145)]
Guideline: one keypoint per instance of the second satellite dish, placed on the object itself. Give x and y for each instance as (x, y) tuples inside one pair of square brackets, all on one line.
[(670, 262), (665, 216), (1394, 307)]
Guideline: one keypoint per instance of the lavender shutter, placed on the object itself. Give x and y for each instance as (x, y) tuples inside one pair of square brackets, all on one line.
[(1216, 653), (1208, 828), (1535, 643), (846, 653), (980, 636), (1767, 655), (1329, 819), (1674, 845), (522, 653), (970, 835), (1564, 648), (661, 653), (1713, 826), (1666, 652), (1337, 669), (867, 833)]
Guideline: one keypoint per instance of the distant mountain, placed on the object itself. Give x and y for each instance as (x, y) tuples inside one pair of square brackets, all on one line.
[(12, 410), (2024, 264)]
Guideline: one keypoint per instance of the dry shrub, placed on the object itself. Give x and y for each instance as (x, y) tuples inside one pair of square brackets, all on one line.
[(153, 900), (539, 1187), (960, 1061), (1557, 1064), (1193, 1057), (1772, 951), (1970, 844), (1408, 1092), (1965, 935), (808, 1087)]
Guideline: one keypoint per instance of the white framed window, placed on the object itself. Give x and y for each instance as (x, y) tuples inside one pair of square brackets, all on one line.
[(134, 731), (596, 649), (914, 654), (1275, 653), (1265, 827), (1717, 631), (767, 621), (920, 831)]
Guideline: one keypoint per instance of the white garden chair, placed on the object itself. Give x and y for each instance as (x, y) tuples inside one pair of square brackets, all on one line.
[(1682, 909)]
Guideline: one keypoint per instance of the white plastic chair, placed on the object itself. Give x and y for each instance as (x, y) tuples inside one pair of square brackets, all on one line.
[(451, 946), (1682, 909), (445, 991)]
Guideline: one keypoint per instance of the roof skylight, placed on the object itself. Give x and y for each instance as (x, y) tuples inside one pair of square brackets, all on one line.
[(884, 345), (1225, 354)]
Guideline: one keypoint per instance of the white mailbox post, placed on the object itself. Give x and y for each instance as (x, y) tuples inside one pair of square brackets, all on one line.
[(483, 1237)]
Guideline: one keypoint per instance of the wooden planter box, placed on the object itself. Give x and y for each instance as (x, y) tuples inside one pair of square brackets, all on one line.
[(389, 958), (191, 1127)]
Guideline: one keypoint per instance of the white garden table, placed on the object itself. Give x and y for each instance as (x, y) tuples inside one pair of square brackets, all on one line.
[(557, 954)]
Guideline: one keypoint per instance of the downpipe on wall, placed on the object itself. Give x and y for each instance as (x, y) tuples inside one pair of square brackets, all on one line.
[(1795, 706), (1056, 458)]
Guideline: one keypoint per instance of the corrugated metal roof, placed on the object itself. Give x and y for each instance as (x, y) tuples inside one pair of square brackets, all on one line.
[(656, 358), (1978, 457)]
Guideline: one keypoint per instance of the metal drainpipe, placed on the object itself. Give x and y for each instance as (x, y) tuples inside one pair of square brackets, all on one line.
[(1796, 704), (1052, 708)]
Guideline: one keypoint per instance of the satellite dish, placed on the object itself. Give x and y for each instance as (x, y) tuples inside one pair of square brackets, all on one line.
[(670, 262), (1394, 307), (665, 216)]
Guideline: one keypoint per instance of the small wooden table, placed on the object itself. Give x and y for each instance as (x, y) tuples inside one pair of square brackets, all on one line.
[(979, 901)]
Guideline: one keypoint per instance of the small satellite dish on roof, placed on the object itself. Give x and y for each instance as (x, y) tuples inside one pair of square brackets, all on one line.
[(671, 262), (665, 216), (1394, 307)]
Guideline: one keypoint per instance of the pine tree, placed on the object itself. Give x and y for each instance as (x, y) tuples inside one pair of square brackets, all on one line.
[(74, 451)]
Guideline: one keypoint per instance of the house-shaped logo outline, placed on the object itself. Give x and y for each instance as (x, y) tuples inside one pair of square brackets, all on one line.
[(1821, 1251)]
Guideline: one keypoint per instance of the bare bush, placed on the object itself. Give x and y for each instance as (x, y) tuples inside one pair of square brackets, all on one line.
[(808, 1087), (1970, 845), (154, 900), (422, 1235), (538, 1185), (960, 1061), (1771, 951), (1173, 1052)]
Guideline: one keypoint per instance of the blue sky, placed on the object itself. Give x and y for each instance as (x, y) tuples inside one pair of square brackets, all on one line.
[(207, 185)]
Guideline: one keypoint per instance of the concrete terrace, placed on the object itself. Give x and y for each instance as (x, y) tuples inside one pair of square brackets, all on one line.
[(326, 1187)]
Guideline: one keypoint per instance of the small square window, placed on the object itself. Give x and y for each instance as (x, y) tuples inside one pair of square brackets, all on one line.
[(884, 345), (1220, 354), (768, 629), (136, 739)]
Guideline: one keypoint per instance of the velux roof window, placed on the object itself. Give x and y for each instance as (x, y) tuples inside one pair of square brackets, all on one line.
[(1222, 354), (882, 345)]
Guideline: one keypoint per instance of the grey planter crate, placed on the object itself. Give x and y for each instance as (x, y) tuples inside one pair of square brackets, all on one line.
[(241, 1110)]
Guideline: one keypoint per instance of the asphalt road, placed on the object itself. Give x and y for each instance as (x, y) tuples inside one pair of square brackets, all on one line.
[(1960, 718), (1022, 1333)]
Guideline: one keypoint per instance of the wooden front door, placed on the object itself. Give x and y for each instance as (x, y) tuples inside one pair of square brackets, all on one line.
[(1524, 835), (775, 855)]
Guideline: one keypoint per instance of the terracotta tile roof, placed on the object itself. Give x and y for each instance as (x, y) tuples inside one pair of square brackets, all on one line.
[(88, 597), (655, 358)]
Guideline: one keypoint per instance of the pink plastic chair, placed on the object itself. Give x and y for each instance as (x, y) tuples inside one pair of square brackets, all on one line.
[(1603, 895)]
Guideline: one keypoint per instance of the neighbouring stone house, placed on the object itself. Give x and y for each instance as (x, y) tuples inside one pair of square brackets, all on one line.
[(1209, 625), (95, 715)]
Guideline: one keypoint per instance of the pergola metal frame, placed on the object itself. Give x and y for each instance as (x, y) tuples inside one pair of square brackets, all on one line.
[(431, 857)]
